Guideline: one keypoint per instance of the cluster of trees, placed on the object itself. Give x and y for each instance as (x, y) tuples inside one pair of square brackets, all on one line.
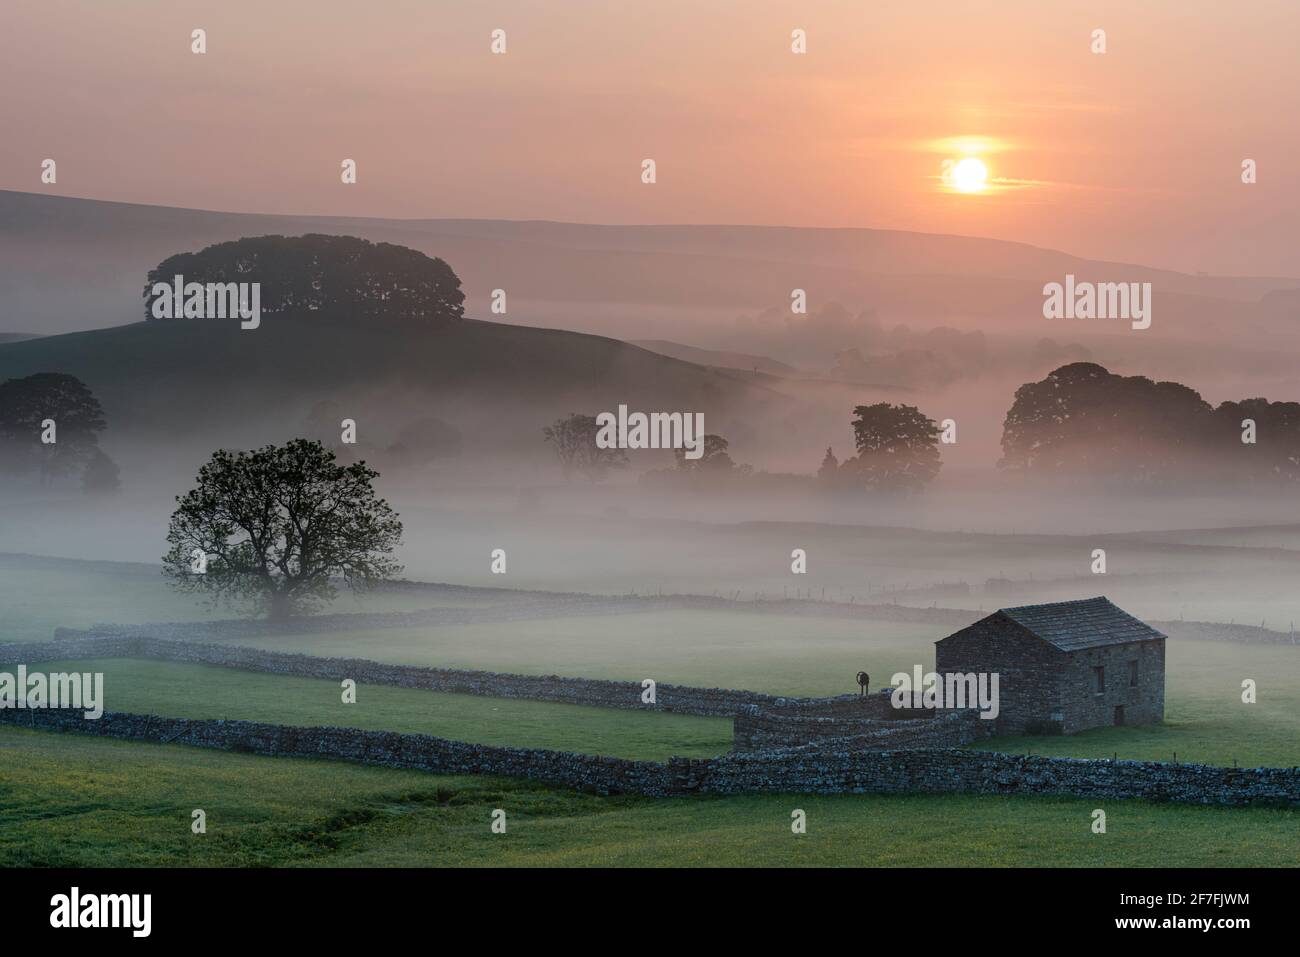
[(49, 425), (897, 445), (324, 275), (1084, 422), (898, 451), (1081, 422)]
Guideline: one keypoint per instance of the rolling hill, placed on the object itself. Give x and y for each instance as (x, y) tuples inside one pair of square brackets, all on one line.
[(496, 381)]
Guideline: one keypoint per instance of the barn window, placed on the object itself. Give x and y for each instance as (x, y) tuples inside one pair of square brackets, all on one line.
[(1099, 679), (1132, 674)]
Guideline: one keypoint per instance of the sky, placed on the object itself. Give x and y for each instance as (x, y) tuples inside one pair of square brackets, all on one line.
[(1133, 155)]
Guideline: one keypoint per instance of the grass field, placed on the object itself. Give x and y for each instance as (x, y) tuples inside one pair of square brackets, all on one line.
[(206, 691), (771, 653), (72, 800)]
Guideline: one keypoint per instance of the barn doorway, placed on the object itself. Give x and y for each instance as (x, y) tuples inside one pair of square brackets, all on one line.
[(1119, 714)]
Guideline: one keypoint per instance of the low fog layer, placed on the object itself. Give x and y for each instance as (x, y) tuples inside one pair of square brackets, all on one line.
[(452, 415)]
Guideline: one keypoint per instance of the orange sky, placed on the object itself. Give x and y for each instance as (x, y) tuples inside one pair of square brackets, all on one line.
[(1131, 155)]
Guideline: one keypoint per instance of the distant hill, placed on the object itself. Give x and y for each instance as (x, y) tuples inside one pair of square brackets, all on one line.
[(714, 357), (75, 264), (15, 336)]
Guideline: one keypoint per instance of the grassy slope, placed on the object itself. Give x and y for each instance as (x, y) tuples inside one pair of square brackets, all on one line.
[(73, 800), (285, 362), (203, 691)]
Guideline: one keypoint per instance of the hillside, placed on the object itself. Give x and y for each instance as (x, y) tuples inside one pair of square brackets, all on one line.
[(155, 377), (715, 357)]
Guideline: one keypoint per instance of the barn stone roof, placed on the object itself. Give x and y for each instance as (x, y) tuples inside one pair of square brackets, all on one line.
[(1086, 623)]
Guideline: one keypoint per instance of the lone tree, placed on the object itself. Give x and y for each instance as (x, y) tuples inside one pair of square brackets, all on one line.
[(574, 440), (276, 526), (830, 467), (50, 422), (898, 447)]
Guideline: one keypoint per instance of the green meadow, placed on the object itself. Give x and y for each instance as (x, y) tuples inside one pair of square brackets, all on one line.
[(73, 800)]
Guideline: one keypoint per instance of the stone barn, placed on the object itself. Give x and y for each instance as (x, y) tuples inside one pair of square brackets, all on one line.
[(1070, 665)]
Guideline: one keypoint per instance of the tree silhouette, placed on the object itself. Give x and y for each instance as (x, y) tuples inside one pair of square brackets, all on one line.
[(830, 467), (714, 457), (898, 447), (1274, 457), (277, 525), (25, 404), (574, 441), (324, 275), (101, 476), (1082, 420)]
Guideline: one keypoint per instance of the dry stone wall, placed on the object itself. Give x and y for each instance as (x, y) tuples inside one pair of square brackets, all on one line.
[(764, 730), (790, 771), (603, 775), (945, 771), (710, 702)]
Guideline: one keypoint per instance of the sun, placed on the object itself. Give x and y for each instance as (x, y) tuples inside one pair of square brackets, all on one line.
[(969, 175)]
